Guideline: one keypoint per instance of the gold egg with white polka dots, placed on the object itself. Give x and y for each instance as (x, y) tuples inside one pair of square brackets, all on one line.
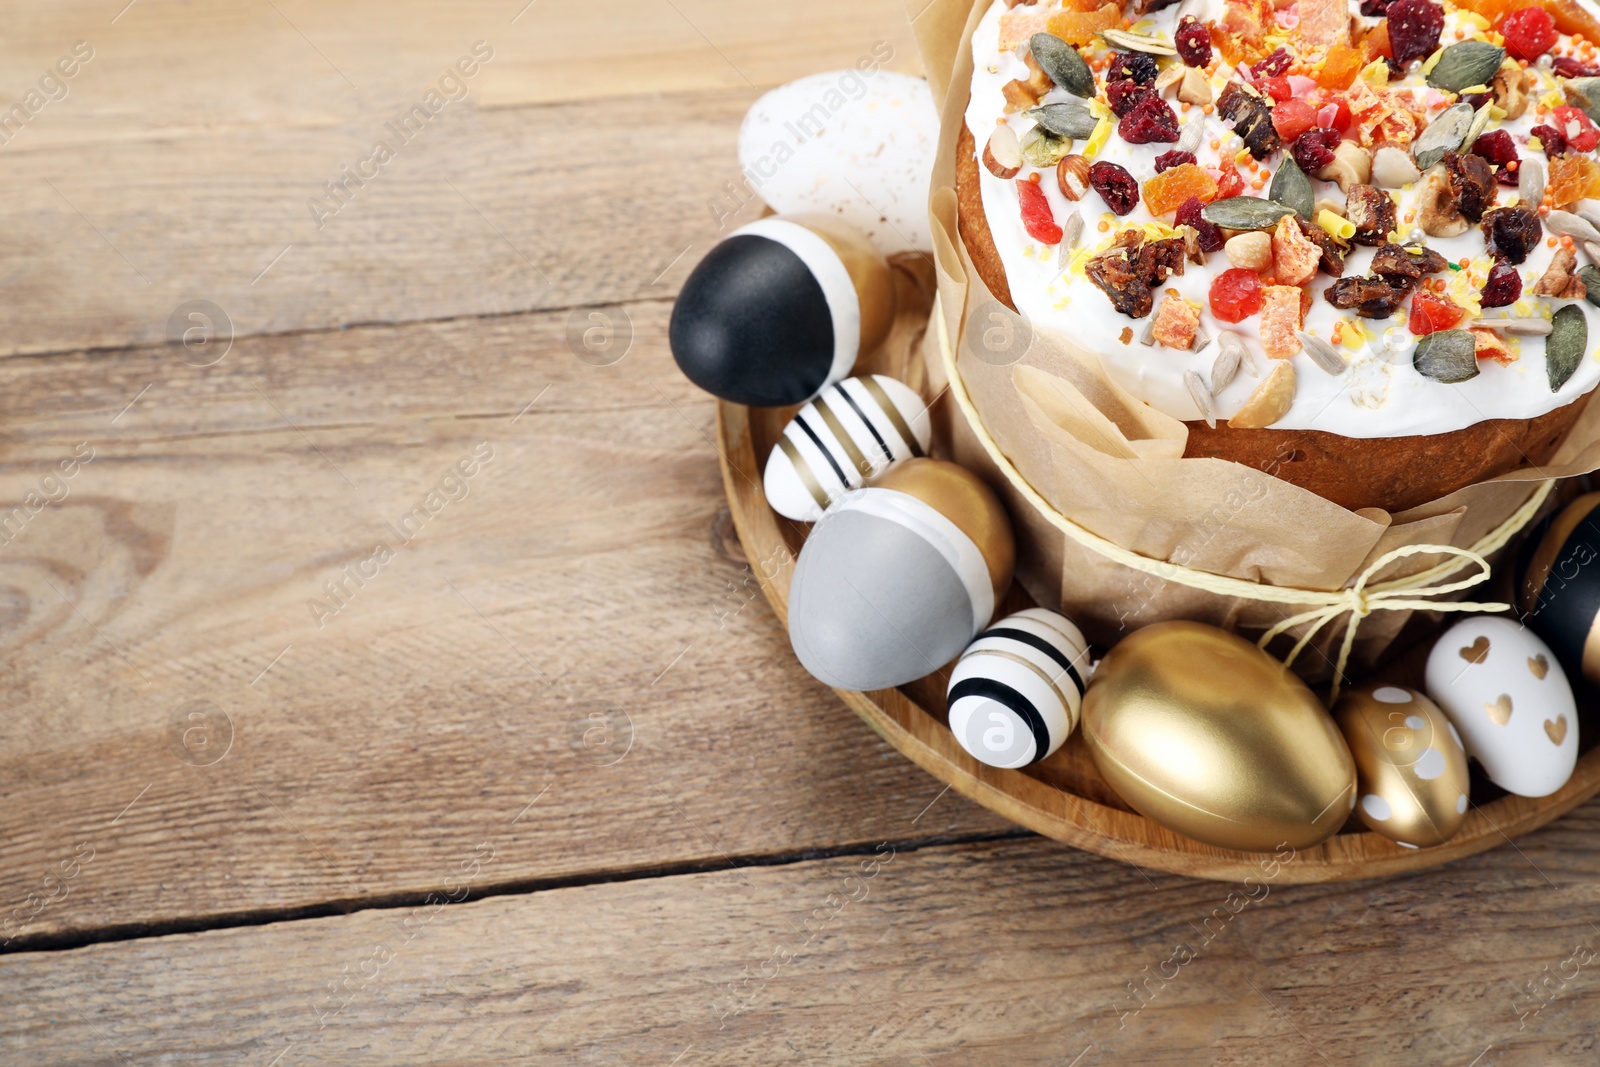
[(1411, 768)]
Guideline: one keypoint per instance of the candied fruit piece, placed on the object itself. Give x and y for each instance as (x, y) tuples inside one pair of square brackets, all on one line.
[(1503, 287), (1210, 234), (1080, 27), (1430, 314), (1291, 118), (1529, 32), (1123, 94), (1498, 148), (1176, 323), (1232, 182), (1037, 218), (1577, 129), (1567, 174), (1168, 190), (1236, 294), (1018, 26), (1167, 160), (1488, 345), (1295, 257), (1313, 149), (1340, 67), (1134, 66), (1280, 320), (1414, 29), (1152, 119), (1376, 43), (1277, 88), (1193, 42), (1115, 186)]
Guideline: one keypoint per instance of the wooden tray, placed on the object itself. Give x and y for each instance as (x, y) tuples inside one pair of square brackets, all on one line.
[(1064, 797)]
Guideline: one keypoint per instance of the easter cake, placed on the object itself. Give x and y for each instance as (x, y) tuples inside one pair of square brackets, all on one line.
[(1352, 244)]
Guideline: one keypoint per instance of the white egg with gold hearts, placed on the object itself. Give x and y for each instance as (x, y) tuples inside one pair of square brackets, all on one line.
[(1506, 693), (1017, 690), (851, 433)]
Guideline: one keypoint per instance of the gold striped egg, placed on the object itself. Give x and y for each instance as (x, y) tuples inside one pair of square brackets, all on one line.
[(1411, 769)]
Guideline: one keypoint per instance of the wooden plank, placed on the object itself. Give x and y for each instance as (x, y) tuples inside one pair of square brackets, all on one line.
[(465, 678), (1014, 953)]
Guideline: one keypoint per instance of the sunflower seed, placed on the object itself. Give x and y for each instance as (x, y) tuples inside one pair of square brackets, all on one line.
[(1140, 42), (1532, 326), (1202, 340), (1227, 339), (1063, 63), (1566, 224), (1147, 335), (1447, 356), (1530, 182), (1566, 345), (1071, 229), (1466, 64), (1444, 134), (1592, 250), (1291, 188), (1245, 213), (1590, 215), (1201, 396), (1322, 353), (1194, 132), (1589, 275), (1480, 122), (1065, 119), (1225, 369)]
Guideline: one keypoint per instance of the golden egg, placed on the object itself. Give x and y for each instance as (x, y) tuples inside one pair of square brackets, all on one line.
[(1411, 771), (1206, 734)]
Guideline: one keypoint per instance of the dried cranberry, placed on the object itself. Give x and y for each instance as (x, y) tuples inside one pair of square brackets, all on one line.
[(1374, 8), (1498, 148), (1116, 186), (1477, 100), (1167, 160), (1193, 42), (1314, 149), (1273, 65), (1134, 66), (1414, 29), (1211, 239), (1152, 119), (1572, 67), (1122, 95), (1503, 287), (1555, 144)]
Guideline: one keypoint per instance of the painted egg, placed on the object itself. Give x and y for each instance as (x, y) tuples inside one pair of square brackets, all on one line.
[(850, 433), (898, 576), (853, 144), (1204, 733), (779, 310), (1017, 690), (1411, 770), (1558, 592), (1508, 696)]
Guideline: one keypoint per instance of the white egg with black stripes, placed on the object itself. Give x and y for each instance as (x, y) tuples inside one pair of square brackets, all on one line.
[(1017, 691), (850, 433)]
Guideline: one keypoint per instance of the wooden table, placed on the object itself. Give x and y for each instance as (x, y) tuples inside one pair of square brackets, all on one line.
[(382, 684)]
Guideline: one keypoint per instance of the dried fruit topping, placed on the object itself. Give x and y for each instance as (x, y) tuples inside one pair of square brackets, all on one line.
[(1560, 279), (1232, 182), (1176, 323), (1167, 160), (1403, 265), (1193, 41), (1126, 271), (1498, 148), (1333, 249), (1573, 67), (1169, 190), (1291, 118), (1372, 211), (1512, 231), (1573, 177), (1313, 150), (1529, 32), (1115, 185), (1370, 297), (1080, 27), (1037, 217), (1278, 88), (1471, 183), (1552, 140), (1252, 119), (1273, 65), (1281, 313), (1503, 287), (1374, 8), (1123, 95), (1340, 66), (1430, 314), (1236, 294), (1209, 235), (1152, 119), (1295, 258), (1135, 66), (1414, 29), (1577, 128)]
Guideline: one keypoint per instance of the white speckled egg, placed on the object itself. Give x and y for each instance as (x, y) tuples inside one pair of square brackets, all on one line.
[(850, 433), (1017, 690), (1411, 771), (1508, 696), (855, 144)]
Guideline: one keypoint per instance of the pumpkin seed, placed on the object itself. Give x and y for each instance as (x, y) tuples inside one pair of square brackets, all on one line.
[(1140, 42), (1565, 347), (1063, 63), (1532, 326), (1065, 119), (1201, 396), (1292, 189), (1447, 356), (1465, 64), (1324, 355), (1584, 94), (1566, 224), (1589, 275), (1225, 369), (1245, 213), (1043, 149), (1444, 134), (1530, 182)]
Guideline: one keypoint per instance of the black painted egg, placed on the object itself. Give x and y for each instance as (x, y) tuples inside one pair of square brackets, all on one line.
[(1558, 585), (780, 310)]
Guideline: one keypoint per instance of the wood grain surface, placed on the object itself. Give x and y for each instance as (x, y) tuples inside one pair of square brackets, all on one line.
[(231, 799)]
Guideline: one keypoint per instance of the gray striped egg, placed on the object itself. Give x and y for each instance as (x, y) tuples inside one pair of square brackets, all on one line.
[(851, 432), (1017, 690)]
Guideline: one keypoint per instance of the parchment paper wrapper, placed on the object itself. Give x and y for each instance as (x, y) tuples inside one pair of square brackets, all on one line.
[(1114, 465)]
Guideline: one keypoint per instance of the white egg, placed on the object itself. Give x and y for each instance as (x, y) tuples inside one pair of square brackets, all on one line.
[(858, 145), (1507, 695), (850, 433)]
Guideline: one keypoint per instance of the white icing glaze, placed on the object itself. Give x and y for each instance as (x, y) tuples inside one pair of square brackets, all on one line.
[(1379, 395)]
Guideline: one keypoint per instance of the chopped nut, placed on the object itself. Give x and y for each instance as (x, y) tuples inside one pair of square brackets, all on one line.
[(1170, 78), (1510, 87), (1372, 211), (1072, 175), (1352, 165), (1270, 402), (1560, 279), (1038, 80), (1280, 320), (1194, 88), (1437, 211), (1392, 167), (1294, 257), (1003, 155), (1175, 323), (1252, 251), (1019, 96)]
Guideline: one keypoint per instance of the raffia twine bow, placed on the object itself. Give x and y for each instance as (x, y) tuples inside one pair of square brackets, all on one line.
[(1413, 592)]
